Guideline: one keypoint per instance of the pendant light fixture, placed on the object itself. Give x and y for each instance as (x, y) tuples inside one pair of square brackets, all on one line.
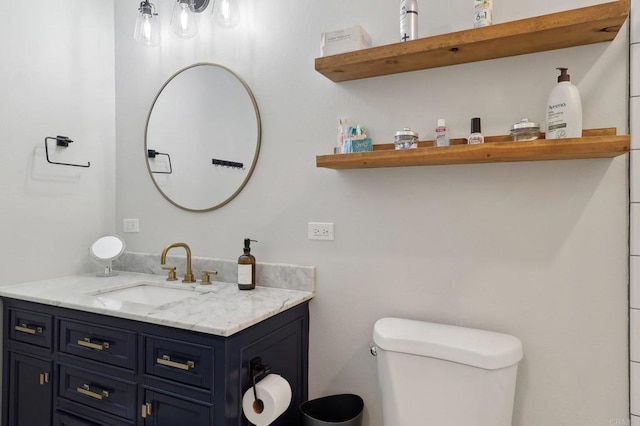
[(147, 30), (225, 13), (183, 18)]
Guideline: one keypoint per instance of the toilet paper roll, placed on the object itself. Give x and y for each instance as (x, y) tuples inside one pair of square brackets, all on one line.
[(274, 397)]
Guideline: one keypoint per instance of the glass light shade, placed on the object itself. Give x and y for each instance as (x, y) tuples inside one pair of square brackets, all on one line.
[(147, 30), (183, 19), (226, 13)]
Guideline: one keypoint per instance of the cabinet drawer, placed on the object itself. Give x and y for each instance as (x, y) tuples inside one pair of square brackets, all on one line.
[(97, 390), (104, 344), (179, 361), (62, 418), (31, 327)]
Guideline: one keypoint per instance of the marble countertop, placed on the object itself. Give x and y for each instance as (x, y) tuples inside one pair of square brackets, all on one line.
[(220, 308)]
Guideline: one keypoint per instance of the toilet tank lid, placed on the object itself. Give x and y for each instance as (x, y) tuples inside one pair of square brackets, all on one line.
[(479, 348)]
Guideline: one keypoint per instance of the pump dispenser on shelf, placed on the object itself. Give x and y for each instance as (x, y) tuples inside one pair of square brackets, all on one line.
[(564, 109), (247, 267)]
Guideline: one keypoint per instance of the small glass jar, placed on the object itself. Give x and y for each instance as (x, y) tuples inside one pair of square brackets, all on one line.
[(525, 130), (406, 139)]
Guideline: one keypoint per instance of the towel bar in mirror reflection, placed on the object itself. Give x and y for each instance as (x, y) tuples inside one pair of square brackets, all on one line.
[(152, 153)]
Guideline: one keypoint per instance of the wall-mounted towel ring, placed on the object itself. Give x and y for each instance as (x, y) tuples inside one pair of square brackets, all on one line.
[(64, 142), (224, 163), (152, 153)]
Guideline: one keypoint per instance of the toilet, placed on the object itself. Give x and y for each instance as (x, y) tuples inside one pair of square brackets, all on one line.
[(442, 375)]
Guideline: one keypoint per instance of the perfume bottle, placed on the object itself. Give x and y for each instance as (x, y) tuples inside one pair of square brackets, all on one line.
[(476, 133)]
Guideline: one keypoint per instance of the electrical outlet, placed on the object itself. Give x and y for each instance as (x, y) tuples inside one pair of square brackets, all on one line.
[(130, 225), (321, 231)]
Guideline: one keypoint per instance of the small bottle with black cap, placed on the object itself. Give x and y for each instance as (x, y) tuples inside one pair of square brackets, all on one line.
[(476, 133), (247, 267)]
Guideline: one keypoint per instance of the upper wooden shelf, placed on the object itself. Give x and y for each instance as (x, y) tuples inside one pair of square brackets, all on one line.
[(596, 143), (577, 27)]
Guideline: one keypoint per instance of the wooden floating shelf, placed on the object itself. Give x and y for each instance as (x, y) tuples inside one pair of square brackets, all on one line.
[(596, 143), (577, 27)]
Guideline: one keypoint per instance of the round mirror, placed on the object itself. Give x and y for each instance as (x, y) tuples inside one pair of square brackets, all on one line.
[(105, 250), (202, 137)]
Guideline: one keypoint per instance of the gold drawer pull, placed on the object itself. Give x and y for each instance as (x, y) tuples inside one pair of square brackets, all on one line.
[(86, 390), (24, 328), (44, 378), (166, 360), (87, 343), (146, 410)]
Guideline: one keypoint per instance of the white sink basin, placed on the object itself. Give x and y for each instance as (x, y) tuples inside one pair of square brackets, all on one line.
[(149, 294)]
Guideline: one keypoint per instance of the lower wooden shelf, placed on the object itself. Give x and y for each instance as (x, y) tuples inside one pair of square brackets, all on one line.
[(595, 143)]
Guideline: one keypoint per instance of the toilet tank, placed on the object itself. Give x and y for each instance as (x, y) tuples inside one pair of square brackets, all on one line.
[(438, 374)]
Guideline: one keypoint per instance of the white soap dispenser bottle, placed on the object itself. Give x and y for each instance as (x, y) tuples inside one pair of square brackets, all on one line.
[(564, 109)]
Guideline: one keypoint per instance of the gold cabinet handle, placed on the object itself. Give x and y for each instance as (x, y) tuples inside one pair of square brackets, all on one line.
[(44, 378), (24, 328), (86, 390), (87, 343), (146, 410), (166, 360)]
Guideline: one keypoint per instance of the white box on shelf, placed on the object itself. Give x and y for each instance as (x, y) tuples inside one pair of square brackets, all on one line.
[(346, 40)]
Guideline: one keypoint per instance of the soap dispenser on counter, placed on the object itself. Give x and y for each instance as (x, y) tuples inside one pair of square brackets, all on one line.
[(247, 267)]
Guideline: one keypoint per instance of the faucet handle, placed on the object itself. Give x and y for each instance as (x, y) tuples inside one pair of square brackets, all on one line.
[(172, 273), (206, 279)]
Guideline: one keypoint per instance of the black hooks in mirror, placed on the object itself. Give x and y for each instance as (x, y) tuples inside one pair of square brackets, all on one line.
[(224, 163)]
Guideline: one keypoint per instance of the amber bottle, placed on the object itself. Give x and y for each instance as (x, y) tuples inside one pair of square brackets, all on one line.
[(247, 267)]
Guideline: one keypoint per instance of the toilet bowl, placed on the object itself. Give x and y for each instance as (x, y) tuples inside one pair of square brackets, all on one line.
[(441, 375)]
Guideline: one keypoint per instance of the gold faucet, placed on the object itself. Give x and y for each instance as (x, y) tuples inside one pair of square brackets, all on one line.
[(188, 277)]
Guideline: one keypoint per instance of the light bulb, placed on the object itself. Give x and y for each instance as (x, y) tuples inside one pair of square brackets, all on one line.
[(225, 13), (183, 19), (147, 30)]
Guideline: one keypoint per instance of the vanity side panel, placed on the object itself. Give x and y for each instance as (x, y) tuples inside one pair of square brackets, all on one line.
[(282, 343), (5, 365)]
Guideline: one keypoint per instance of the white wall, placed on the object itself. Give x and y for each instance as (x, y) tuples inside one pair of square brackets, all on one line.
[(56, 78), (537, 250)]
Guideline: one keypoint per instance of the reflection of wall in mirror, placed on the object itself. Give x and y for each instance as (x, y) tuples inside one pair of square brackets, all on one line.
[(195, 122)]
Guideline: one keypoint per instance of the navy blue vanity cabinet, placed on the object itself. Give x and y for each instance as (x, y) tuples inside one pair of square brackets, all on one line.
[(30, 395), (85, 369), (27, 354), (169, 410)]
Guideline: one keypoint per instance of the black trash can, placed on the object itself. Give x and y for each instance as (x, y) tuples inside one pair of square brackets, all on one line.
[(334, 410)]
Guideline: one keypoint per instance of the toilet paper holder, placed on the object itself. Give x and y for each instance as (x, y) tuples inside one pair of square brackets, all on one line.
[(258, 369)]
